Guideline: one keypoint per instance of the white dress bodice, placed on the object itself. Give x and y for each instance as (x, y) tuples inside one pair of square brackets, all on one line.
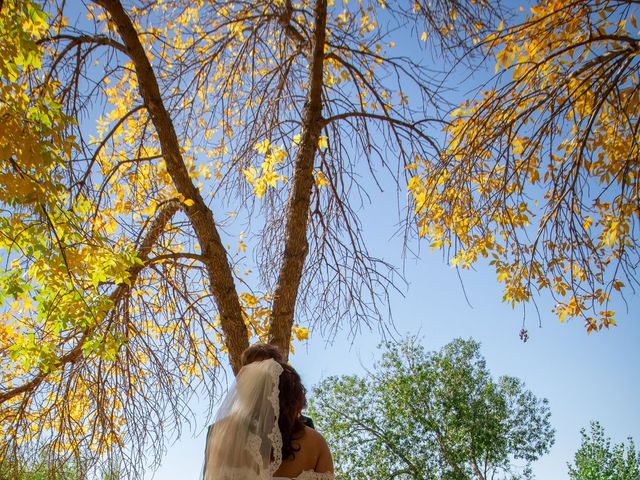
[(309, 475)]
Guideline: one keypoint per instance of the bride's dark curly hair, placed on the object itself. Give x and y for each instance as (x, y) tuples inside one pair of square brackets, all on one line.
[(293, 398)]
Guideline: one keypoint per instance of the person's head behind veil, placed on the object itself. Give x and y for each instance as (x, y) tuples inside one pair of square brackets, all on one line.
[(245, 441), (292, 397), (261, 351)]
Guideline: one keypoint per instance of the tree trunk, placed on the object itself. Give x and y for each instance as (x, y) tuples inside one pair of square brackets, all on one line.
[(222, 286), (476, 470), (296, 245)]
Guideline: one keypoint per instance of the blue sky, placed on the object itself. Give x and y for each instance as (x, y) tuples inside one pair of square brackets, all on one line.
[(584, 376)]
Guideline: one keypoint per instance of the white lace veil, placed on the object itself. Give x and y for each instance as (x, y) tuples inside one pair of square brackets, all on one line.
[(245, 442)]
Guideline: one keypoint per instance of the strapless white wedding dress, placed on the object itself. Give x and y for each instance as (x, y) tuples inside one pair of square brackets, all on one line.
[(245, 473), (309, 475)]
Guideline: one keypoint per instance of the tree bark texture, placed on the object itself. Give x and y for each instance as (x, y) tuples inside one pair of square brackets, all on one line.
[(214, 254), (296, 244)]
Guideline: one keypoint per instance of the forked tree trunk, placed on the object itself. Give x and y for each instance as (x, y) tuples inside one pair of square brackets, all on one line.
[(214, 254)]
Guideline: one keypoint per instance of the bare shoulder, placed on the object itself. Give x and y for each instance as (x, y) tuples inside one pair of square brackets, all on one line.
[(314, 437), (323, 460)]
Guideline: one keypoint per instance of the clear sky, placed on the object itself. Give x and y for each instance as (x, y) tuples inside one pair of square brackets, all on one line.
[(584, 376)]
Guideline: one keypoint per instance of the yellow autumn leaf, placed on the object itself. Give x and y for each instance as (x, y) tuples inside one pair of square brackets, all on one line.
[(321, 179), (301, 333), (110, 227), (517, 145), (262, 147), (323, 142), (250, 174)]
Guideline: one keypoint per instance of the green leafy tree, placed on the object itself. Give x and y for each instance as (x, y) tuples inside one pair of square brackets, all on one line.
[(596, 459), (40, 466), (428, 415), (41, 471)]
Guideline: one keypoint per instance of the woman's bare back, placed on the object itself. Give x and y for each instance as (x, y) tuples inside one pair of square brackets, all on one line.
[(313, 456)]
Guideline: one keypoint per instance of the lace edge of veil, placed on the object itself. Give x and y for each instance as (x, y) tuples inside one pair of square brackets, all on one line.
[(276, 436)]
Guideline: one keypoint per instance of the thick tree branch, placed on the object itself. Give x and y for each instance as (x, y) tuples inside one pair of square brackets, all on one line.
[(476, 470), (80, 39), (200, 216), (296, 245)]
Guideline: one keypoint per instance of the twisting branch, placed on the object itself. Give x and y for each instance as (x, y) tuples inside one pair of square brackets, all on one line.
[(81, 183), (291, 31)]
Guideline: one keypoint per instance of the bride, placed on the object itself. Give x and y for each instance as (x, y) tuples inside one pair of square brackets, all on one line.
[(258, 433)]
